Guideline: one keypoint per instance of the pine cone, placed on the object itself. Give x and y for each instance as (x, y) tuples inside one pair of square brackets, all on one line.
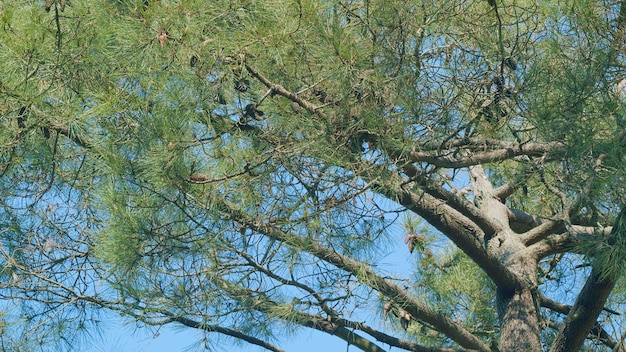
[(198, 178), (242, 85)]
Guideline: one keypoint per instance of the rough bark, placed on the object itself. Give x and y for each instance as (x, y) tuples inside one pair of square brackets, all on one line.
[(518, 308), (519, 319), (517, 305)]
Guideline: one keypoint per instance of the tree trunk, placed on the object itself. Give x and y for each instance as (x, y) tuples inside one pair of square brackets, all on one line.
[(519, 321)]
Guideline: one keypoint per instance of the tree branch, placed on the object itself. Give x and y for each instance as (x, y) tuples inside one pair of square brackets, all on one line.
[(488, 203), (568, 241), (542, 231), (486, 224), (521, 221), (590, 301), (597, 331), (393, 341), (377, 334), (462, 232), (365, 274), (229, 332), (280, 90), (264, 304), (438, 320), (510, 152), (465, 234)]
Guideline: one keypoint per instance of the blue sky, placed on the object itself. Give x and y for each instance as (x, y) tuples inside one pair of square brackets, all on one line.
[(171, 339)]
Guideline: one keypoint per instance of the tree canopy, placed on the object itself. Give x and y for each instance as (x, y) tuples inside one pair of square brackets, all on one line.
[(241, 168)]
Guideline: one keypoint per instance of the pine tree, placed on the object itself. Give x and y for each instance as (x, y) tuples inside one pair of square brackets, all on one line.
[(241, 167)]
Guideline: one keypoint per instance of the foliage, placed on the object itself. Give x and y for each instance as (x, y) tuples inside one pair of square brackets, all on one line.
[(240, 168)]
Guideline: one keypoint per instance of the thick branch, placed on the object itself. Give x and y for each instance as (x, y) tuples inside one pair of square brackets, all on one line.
[(487, 202), (486, 224), (568, 241), (521, 221), (468, 209), (453, 162), (542, 231), (462, 232), (590, 301), (596, 332), (463, 143), (461, 227)]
